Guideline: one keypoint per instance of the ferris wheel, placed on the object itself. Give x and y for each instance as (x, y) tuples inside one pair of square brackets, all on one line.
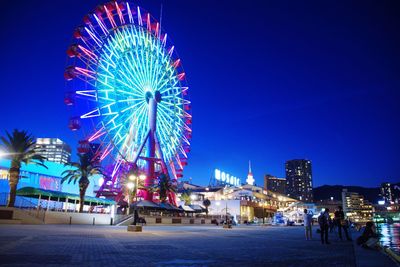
[(127, 91)]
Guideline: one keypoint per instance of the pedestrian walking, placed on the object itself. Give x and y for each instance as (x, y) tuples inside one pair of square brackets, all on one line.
[(341, 223), (307, 218), (323, 221)]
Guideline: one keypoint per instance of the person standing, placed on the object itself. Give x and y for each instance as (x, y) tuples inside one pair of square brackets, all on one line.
[(341, 223), (323, 221), (307, 218)]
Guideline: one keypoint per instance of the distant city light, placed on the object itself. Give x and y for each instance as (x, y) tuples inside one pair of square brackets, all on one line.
[(381, 202)]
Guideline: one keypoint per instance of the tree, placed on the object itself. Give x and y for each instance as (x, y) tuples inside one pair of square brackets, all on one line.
[(206, 204), (165, 186), (81, 173), (19, 147), (185, 196)]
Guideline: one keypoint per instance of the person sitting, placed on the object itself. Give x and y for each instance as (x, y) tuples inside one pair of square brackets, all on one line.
[(142, 220), (369, 238)]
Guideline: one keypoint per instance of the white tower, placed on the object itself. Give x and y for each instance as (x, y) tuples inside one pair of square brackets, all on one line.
[(250, 179)]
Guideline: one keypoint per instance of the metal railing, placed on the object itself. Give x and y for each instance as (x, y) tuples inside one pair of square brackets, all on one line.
[(26, 205)]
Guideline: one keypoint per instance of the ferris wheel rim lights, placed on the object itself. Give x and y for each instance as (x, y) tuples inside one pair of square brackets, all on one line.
[(122, 57)]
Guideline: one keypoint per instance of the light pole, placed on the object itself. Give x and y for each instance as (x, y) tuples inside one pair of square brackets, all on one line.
[(130, 186), (135, 178)]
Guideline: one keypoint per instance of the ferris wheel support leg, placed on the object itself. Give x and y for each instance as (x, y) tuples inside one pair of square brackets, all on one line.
[(151, 147)]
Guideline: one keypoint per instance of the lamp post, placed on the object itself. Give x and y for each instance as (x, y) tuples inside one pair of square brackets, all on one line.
[(135, 178), (130, 186)]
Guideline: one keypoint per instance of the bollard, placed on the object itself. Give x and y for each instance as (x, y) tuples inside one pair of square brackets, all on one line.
[(111, 221), (70, 220), (94, 220)]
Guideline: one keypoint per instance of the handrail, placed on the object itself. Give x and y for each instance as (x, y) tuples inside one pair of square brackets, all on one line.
[(123, 219), (23, 204)]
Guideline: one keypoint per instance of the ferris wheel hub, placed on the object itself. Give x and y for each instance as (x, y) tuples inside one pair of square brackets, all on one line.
[(157, 96)]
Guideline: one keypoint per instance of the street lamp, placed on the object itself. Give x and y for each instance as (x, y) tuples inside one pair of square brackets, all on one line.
[(130, 186)]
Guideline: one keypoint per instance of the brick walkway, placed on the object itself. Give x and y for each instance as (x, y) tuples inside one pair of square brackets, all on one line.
[(64, 245)]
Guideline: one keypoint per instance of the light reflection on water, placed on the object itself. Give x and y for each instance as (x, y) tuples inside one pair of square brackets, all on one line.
[(390, 235)]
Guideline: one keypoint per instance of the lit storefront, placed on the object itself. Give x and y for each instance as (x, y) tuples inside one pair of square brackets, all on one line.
[(245, 203), (49, 178)]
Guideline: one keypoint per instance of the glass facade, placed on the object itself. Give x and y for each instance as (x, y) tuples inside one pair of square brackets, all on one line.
[(299, 179), (39, 177), (53, 149)]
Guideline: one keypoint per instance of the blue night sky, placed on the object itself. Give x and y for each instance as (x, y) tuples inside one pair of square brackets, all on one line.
[(270, 81)]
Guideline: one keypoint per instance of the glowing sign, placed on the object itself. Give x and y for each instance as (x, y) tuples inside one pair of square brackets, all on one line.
[(226, 178)]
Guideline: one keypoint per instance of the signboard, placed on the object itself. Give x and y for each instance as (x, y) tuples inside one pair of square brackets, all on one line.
[(226, 178)]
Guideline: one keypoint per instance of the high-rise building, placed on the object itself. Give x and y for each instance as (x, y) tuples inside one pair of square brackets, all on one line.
[(355, 207), (386, 193), (275, 184), (53, 149), (299, 179)]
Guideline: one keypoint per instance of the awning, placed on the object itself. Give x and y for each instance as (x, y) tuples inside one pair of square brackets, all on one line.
[(187, 208), (61, 196), (145, 204), (197, 208), (170, 207)]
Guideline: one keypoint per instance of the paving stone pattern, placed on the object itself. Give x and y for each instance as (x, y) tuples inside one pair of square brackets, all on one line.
[(97, 246)]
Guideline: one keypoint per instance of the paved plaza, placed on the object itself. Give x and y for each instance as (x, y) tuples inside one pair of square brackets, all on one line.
[(64, 245)]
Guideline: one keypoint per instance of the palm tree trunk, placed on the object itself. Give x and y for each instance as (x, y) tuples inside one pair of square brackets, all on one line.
[(82, 191), (13, 182)]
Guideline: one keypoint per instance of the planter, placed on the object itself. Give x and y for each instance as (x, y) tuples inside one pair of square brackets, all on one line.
[(135, 228)]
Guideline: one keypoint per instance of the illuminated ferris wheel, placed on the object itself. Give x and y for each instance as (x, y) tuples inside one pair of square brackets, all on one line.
[(127, 91)]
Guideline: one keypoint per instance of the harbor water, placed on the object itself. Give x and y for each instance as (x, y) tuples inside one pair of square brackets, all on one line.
[(390, 235)]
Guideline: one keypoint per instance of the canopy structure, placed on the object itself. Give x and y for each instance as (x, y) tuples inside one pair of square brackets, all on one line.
[(146, 204), (61, 196), (187, 208), (170, 207), (197, 208)]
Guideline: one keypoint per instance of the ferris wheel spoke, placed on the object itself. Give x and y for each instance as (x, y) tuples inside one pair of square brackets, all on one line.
[(133, 80), (134, 88), (129, 13), (142, 69), (94, 37), (135, 65), (131, 107), (102, 26), (122, 56), (138, 114), (164, 112)]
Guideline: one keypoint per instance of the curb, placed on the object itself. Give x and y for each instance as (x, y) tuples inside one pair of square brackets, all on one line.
[(392, 254)]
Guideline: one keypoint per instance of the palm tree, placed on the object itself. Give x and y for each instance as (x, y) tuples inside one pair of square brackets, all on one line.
[(165, 185), (185, 196), (206, 204), (81, 173), (19, 147)]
